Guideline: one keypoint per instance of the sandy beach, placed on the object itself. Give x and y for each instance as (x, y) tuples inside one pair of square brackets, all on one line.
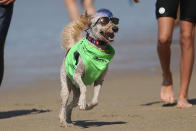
[(129, 103), (129, 100)]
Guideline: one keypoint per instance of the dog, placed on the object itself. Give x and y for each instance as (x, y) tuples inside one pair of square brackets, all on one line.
[(86, 60)]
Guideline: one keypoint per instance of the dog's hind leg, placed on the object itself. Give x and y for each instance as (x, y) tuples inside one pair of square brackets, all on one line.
[(65, 91), (74, 103), (97, 87)]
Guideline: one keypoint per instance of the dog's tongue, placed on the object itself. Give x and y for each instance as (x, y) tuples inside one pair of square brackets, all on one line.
[(110, 36)]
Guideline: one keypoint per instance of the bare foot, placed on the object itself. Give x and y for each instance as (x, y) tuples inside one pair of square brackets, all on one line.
[(183, 103), (167, 94)]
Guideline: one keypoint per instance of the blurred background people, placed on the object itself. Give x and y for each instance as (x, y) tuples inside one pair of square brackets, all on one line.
[(6, 9), (73, 9), (136, 1)]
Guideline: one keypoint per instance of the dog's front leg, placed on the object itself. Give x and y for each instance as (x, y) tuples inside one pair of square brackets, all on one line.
[(94, 101), (77, 76), (97, 87)]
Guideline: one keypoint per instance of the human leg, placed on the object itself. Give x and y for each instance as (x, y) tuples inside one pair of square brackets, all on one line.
[(166, 13), (88, 5), (165, 30), (72, 9), (187, 34), (5, 18)]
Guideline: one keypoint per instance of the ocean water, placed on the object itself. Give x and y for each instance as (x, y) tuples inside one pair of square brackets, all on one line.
[(33, 50)]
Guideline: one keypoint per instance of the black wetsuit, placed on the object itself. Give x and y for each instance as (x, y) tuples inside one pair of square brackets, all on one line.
[(169, 8), (5, 18)]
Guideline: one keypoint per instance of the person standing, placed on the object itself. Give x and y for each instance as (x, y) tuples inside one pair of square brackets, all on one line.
[(166, 13), (6, 10)]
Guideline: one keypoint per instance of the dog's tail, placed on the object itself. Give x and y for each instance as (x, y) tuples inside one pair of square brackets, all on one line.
[(72, 33)]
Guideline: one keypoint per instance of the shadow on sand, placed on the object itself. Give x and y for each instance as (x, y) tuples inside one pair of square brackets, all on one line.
[(159, 102), (90, 123), (192, 101), (14, 113)]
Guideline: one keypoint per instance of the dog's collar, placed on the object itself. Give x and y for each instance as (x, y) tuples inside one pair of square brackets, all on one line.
[(94, 41)]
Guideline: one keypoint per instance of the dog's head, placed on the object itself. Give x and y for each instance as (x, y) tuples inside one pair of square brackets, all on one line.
[(103, 25)]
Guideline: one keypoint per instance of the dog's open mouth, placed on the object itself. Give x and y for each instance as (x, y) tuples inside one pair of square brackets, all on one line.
[(109, 36)]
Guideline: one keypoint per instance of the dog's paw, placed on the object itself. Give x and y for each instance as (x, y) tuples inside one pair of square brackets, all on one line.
[(91, 106), (66, 125), (63, 123), (82, 103)]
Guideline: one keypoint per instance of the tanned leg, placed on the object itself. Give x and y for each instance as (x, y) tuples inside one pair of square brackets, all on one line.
[(165, 30), (72, 9), (88, 5), (187, 34)]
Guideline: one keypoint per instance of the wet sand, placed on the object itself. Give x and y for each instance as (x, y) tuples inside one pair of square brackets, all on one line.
[(128, 101)]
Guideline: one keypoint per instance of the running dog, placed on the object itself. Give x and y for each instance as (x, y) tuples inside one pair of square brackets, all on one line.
[(86, 60)]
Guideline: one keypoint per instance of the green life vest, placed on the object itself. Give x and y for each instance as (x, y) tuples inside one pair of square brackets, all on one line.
[(95, 61)]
